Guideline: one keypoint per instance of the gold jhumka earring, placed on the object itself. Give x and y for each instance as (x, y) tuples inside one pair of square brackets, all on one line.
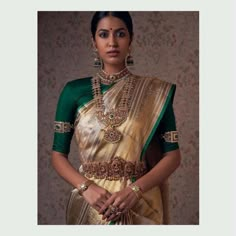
[(97, 60), (129, 61)]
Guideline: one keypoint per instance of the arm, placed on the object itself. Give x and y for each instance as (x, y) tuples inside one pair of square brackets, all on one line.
[(64, 168), (64, 120), (160, 172)]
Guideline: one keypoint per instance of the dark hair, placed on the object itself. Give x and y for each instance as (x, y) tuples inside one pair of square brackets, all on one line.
[(123, 15)]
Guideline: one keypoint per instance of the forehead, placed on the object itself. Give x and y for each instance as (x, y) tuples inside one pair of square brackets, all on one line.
[(111, 22)]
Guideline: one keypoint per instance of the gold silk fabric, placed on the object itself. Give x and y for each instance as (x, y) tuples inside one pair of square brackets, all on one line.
[(149, 99)]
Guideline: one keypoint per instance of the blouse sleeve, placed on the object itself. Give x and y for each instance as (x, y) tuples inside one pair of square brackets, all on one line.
[(64, 120), (166, 132)]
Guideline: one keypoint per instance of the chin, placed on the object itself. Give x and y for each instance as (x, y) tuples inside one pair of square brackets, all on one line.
[(114, 62)]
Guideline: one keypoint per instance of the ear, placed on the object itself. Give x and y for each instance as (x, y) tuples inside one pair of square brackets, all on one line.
[(93, 42), (131, 39)]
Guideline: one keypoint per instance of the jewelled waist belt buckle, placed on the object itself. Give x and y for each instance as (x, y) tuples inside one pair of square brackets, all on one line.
[(115, 169)]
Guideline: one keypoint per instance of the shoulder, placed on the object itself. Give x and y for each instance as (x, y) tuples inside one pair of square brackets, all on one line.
[(78, 85), (155, 81), (76, 88), (79, 82)]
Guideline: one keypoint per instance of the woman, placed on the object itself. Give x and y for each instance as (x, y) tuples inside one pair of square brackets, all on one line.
[(125, 130)]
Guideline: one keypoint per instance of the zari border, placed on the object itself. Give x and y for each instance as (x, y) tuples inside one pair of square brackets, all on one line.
[(169, 97)]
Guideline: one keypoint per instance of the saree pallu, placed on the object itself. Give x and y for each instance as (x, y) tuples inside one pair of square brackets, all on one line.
[(150, 98)]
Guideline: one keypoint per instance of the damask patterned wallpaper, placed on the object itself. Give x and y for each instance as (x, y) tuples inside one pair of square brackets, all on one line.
[(166, 45)]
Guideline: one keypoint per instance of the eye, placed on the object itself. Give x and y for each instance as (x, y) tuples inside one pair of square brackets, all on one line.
[(120, 34), (103, 34)]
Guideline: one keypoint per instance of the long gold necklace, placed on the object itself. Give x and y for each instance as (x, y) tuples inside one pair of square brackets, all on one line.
[(114, 117)]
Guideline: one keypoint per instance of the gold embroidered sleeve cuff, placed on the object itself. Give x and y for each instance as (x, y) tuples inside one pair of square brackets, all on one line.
[(170, 136), (62, 127)]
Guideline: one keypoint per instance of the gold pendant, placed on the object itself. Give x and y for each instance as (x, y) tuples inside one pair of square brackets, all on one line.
[(114, 117), (112, 135)]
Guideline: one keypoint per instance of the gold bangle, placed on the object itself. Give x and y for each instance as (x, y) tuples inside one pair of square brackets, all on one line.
[(136, 189), (84, 186)]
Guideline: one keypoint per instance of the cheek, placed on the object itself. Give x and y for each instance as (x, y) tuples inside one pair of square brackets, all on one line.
[(99, 43), (125, 49), (125, 45), (100, 48)]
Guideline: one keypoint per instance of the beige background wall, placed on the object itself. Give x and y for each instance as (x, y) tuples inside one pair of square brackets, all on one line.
[(166, 44)]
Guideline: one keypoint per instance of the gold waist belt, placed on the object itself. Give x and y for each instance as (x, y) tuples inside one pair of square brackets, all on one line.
[(115, 169)]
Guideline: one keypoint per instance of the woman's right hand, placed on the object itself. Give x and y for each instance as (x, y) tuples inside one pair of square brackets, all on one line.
[(96, 196)]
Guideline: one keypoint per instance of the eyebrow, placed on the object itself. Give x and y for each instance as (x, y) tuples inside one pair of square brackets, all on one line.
[(114, 30)]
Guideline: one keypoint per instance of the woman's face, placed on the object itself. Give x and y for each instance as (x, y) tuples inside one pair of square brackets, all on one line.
[(112, 41)]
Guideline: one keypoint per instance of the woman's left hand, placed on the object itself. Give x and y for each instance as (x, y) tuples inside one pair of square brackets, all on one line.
[(118, 203)]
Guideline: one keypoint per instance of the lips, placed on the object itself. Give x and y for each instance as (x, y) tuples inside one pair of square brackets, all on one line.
[(113, 53)]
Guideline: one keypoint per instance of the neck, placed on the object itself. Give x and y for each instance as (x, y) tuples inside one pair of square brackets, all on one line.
[(109, 78), (112, 70)]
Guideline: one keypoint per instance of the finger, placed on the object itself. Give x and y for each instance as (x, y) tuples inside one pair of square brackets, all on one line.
[(112, 212), (122, 202), (106, 204), (122, 207), (99, 207), (119, 207), (111, 217), (108, 195), (103, 209), (107, 214), (115, 218), (102, 201)]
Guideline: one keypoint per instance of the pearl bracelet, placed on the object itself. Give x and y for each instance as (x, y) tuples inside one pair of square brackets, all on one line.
[(84, 186)]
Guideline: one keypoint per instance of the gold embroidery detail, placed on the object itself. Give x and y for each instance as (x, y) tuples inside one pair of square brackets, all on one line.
[(171, 136), (115, 169), (62, 127)]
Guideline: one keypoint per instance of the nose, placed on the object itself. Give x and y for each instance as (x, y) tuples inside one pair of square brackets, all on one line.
[(112, 41)]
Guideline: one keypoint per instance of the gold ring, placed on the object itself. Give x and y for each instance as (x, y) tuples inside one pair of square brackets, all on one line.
[(113, 209)]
